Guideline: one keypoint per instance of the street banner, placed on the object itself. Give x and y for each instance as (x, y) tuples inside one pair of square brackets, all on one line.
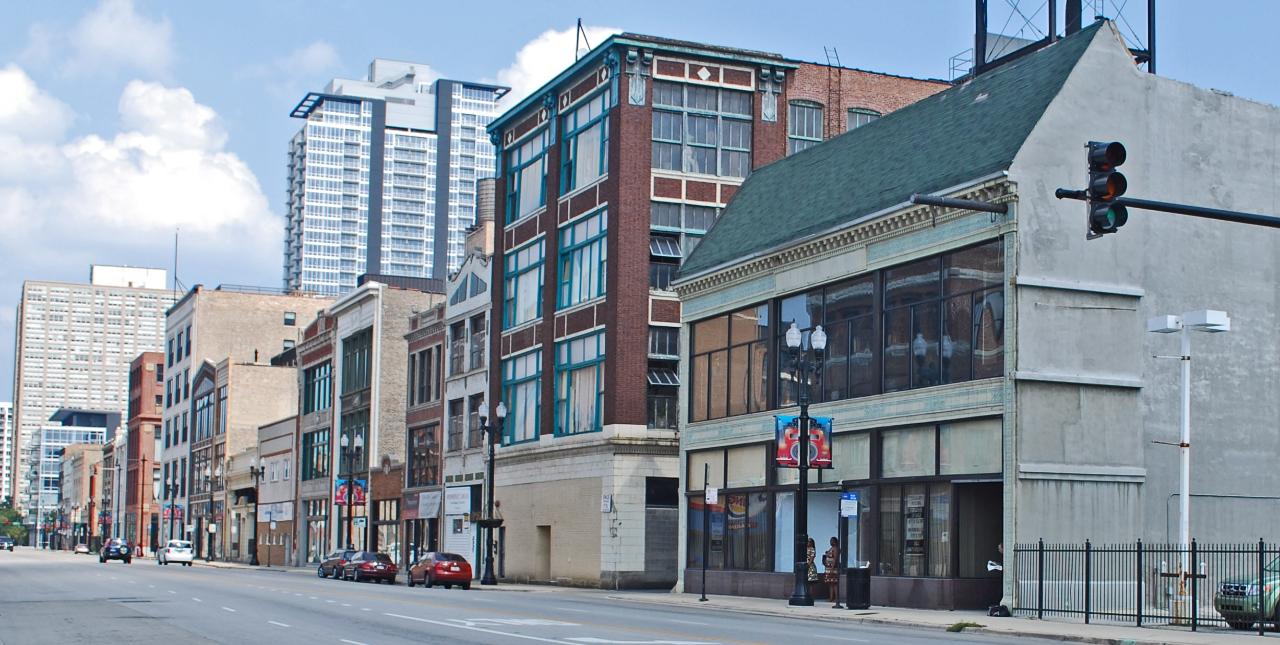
[(787, 439), (457, 500), (357, 490), (429, 504)]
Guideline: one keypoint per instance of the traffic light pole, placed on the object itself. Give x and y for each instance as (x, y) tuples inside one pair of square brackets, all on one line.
[(1255, 219)]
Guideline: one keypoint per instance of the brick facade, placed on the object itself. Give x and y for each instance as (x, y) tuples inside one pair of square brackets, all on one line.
[(146, 405)]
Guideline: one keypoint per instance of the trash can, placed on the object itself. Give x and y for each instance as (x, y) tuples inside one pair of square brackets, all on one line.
[(858, 585)]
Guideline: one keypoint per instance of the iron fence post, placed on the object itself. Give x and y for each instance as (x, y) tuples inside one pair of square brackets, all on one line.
[(1262, 627), (1040, 580), (1088, 575), (1195, 604), (1139, 611)]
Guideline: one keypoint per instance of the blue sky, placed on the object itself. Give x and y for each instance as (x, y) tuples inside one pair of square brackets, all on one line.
[(123, 119)]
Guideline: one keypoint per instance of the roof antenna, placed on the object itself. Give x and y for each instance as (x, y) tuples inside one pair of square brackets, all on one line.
[(580, 37)]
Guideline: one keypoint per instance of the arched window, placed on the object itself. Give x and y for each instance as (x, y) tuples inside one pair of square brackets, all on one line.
[(859, 117)]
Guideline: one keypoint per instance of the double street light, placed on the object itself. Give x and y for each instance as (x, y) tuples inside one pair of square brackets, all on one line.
[(490, 522), (801, 366), (349, 455), (258, 472)]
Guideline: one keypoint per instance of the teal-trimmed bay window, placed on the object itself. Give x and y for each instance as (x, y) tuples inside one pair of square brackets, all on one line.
[(585, 153), (521, 376), (583, 257), (522, 292), (527, 176), (580, 384)]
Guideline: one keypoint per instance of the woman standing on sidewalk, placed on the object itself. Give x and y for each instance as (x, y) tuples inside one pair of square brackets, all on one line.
[(811, 552), (831, 569)]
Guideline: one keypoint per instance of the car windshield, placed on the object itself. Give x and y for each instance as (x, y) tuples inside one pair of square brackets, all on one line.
[(179, 544), (450, 557), (382, 557), (1274, 566), (116, 542)]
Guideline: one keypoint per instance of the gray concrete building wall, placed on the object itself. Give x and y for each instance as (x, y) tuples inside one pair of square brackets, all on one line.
[(1082, 307)]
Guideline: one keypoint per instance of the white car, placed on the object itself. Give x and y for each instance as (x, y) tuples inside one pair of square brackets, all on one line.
[(177, 551)]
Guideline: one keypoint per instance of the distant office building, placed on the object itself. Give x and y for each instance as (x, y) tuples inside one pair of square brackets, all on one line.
[(6, 449), (73, 347), (421, 140), (69, 427)]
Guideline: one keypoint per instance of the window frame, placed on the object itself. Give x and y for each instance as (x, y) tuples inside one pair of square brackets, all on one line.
[(509, 383), (517, 163), (513, 272), (799, 134), (576, 261), (566, 367), (685, 114), (571, 129)]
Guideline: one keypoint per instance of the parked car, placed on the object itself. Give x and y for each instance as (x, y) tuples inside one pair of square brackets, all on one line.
[(447, 569), (178, 551), (367, 565), (115, 549), (6, 542), (1237, 598), (333, 563), (82, 548)]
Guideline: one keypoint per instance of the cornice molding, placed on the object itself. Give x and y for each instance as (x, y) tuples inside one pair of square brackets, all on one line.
[(902, 222)]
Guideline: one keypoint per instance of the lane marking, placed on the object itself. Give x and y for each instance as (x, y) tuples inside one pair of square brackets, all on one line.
[(313, 598), (196, 599), (346, 604), (592, 639), (229, 609), (476, 629), (685, 622), (151, 586), (581, 611), (353, 642), (331, 601), (173, 592), (841, 638), (364, 609), (272, 622)]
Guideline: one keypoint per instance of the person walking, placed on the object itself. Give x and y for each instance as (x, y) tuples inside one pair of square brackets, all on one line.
[(831, 570)]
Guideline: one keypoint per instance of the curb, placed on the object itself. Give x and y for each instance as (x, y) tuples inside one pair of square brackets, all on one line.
[(1020, 633)]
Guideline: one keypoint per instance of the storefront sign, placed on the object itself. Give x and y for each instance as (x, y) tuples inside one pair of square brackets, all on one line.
[(359, 522), (429, 504), (357, 487), (409, 507), (848, 505), (787, 440), (457, 500), (713, 495)]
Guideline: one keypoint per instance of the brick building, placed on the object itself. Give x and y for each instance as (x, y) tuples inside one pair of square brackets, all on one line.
[(423, 421), (610, 174), (140, 512), (315, 440)]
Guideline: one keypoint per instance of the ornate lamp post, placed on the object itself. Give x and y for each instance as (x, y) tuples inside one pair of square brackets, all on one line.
[(490, 522), (349, 455), (801, 366), (257, 471)]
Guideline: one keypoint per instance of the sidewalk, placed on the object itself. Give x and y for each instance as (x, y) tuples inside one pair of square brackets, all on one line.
[(935, 619)]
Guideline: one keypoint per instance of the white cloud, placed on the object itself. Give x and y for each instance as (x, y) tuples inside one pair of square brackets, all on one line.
[(289, 76), (540, 59), (117, 197), (112, 36), (27, 111), (316, 58)]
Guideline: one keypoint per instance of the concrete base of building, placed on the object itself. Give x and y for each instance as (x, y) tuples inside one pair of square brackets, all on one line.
[(920, 593)]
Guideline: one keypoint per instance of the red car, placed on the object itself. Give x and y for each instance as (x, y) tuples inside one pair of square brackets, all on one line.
[(367, 565), (333, 563), (447, 569)]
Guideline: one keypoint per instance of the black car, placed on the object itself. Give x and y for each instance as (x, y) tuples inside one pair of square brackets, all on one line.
[(6, 542), (115, 549), (333, 563)]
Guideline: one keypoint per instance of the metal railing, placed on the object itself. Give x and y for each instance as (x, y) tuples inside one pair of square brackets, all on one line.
[(1191, 585)]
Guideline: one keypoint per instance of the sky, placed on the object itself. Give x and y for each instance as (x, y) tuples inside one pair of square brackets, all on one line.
[(122, 121)]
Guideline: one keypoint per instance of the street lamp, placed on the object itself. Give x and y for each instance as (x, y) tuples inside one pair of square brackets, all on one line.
[(257, 472), (490, 522), (1206, 320), (349, 455), (800, 369)]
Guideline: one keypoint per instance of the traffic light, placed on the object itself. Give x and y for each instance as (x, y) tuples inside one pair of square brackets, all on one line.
[(1106, 184)]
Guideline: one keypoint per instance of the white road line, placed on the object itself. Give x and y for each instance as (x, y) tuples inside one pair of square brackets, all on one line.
[(477, 629), (841, 638), (229, 609), (196, 599), (313, 598), (364, 609), (277, 624), (353, 642), (581, 611), (173, 592), (331, 601), (297, 594), (346, 604), (684, 622), (151, 586)]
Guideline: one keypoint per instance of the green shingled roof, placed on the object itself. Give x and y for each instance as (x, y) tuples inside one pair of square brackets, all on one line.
[(953, 137)]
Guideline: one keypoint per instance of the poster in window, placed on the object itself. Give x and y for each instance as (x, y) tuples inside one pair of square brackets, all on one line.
[(787, 440), (914, 524), (357, 488)]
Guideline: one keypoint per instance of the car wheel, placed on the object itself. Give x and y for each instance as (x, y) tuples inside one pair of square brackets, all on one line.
[(409, 580), (319, 572), (427, 581), (1238, 625), (128, 561), (102, 560), (466, 586), (448, 585)]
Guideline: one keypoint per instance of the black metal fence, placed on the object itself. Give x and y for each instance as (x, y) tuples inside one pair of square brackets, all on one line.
[(1195, 585)]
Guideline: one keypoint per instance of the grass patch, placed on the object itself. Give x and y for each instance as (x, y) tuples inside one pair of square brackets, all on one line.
[(960, 626)]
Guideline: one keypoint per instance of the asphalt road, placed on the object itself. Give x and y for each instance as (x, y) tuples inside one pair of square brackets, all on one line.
[(61, 598)]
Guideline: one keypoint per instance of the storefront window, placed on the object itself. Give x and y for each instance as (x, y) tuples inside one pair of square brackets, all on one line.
[(746, 467), (698, 464), (908, 452), (970, 447)]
